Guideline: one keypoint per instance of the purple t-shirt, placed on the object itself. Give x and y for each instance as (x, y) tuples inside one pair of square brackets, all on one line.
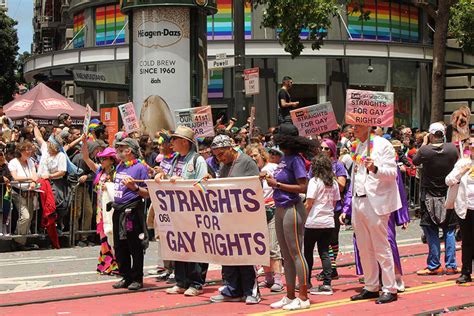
[(340, 171), (166, 164), (124, 195), (289, 170)]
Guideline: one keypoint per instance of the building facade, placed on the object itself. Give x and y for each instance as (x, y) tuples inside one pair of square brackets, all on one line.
[(89, 58)]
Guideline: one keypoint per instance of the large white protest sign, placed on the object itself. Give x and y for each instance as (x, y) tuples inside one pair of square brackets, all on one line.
[(199, 119), (314, 119), (225, 223)]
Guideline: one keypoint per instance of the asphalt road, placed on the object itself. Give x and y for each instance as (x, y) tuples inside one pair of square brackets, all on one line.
[(28, 270)]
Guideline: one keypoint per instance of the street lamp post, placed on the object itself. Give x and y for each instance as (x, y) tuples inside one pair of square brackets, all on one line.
[(240, 110)]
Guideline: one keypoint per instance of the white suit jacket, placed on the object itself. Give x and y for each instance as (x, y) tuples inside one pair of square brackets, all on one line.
[(381, 188), (454, 178)]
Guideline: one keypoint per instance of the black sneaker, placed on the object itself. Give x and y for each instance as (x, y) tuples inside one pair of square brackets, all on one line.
[(81, 244), (171, 279), (321, 290), (464, 278), (135, 286), (334, 274), (122, 284)]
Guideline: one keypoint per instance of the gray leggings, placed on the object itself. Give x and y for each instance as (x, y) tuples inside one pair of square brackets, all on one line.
[(289, 229)]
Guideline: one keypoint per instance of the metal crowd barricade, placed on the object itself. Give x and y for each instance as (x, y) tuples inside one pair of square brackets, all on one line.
[(83, 212), (412, 189), (21, 213)]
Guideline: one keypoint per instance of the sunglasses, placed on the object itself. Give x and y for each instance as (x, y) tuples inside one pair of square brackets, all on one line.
[(325, 148)]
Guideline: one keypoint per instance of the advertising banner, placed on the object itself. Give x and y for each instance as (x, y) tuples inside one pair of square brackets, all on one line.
[(221, 221), (314, 119), (161, 65), (129, 117), (369, 108), (199, 119), (109, 116)]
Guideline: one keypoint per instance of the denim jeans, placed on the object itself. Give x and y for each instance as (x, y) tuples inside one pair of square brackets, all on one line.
[(434, 254)]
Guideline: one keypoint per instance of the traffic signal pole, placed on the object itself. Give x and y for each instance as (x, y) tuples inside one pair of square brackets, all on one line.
[(240, 110)]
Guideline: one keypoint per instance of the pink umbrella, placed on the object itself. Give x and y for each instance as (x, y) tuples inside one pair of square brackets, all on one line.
[(42, 102)]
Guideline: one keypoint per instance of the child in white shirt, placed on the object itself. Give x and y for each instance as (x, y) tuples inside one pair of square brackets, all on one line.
[(321, 198)]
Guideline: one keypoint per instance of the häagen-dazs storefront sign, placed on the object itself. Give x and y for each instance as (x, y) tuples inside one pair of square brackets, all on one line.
[(161, 65)]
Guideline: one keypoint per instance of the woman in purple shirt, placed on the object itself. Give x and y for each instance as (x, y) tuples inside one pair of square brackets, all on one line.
[(290, 181)]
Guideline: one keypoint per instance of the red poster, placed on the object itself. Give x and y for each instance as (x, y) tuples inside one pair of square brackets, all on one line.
[(109, 116)]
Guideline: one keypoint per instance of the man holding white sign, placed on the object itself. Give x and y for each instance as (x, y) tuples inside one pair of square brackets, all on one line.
[(374, 192), (240, 281)]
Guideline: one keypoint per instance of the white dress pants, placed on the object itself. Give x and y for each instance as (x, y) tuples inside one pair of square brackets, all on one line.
[(374, 248)]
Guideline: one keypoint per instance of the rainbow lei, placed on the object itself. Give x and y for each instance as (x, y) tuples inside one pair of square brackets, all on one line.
[(358, 158), (133, 162)]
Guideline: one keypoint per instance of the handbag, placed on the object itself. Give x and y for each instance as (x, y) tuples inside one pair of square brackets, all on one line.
[(451, 196)]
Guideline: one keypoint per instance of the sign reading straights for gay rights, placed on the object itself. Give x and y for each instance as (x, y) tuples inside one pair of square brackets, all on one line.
[(369, 108), (314, 119), (223, 223), (199, 119)]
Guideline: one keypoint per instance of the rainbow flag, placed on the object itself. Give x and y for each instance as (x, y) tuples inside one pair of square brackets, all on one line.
[(200, 186), (78, 25)]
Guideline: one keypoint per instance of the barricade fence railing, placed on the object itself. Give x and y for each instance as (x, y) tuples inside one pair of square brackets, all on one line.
[(21, 211), (411, 181)]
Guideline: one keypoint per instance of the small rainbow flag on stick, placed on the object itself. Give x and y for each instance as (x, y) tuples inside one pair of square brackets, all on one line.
[(198, 184)]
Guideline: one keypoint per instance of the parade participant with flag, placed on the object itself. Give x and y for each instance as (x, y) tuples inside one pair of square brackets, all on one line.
[(374, 197), (187, 164)]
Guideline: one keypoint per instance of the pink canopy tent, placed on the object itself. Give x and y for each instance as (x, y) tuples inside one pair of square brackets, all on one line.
[(42, 102)]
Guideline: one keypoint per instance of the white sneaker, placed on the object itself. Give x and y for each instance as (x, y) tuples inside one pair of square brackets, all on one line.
[(284, 301), (296, 304), (400, 286)]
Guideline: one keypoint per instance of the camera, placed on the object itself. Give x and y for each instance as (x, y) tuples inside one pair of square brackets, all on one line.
[(370, 68)]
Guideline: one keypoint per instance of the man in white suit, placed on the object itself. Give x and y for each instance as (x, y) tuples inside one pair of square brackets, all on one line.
[(375, 196)]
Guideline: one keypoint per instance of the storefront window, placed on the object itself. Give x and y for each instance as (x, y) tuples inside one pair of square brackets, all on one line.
[(109, 25), (220, 26), (389, 20), (404, 87), (361, 78), (78, 30)]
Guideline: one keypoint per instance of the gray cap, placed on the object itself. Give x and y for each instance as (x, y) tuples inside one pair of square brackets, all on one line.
[(221, 141), (132, 143)]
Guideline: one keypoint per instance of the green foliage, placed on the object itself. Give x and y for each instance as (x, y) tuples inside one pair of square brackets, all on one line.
[(292, 16), (20, 67), (8, 52), (461, 24)]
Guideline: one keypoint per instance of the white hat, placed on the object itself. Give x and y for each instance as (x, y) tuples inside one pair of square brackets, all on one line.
[(436, 127)]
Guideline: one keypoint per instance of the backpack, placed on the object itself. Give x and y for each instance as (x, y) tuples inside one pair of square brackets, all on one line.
[(209, 169)]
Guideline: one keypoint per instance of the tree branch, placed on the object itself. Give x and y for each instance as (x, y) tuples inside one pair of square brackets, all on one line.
[(427, 7)]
